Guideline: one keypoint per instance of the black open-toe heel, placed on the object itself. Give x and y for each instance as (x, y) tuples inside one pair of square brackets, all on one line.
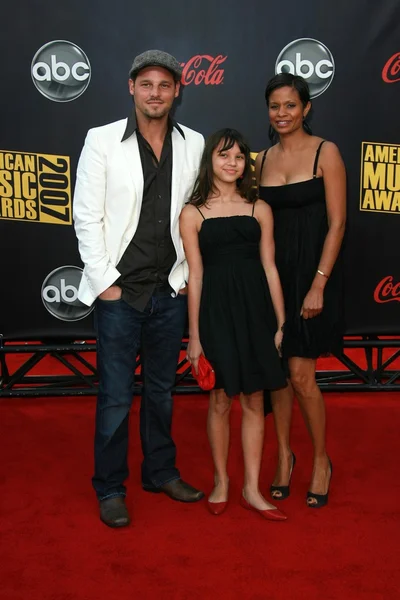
[(321, 499), (284, 490)]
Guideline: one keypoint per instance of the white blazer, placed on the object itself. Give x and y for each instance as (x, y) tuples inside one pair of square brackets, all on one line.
[(108, 199)]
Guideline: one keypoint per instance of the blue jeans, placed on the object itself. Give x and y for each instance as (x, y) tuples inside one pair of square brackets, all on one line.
[(121, 332)]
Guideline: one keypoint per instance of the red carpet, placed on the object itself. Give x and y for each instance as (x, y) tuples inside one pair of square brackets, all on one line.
[(53, 546)]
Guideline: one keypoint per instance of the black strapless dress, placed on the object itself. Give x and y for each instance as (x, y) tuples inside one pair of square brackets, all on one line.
[(237, 320), (300, 229)]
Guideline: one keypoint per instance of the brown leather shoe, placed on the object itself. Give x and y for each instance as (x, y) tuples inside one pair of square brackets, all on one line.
[(177, 490), (113, 512)]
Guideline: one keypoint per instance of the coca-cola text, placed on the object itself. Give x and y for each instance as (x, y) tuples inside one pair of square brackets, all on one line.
[(203, 68), (387, 291), (391, 71)]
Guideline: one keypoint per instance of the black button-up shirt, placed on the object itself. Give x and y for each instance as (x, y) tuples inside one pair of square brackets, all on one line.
[(147, 261)]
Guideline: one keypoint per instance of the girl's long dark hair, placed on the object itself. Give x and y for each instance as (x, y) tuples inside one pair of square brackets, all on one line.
[(296, 82), (204, 185)]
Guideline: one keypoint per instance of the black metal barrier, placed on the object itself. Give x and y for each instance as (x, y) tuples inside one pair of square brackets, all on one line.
[(377, 375)]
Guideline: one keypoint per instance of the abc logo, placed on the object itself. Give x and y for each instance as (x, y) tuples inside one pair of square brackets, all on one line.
[(311, 60), (60, 294), (61, 71)]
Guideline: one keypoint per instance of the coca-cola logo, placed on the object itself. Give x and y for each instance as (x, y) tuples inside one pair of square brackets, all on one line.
[(387, 291), (203, 68), (391, 71)]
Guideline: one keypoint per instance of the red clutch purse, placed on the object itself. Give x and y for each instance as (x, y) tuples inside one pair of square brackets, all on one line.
[(205, 375)]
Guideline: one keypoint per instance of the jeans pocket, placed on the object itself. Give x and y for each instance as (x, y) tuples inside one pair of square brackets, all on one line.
[(110, 301)]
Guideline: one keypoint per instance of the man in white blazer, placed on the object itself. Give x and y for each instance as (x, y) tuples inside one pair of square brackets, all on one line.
[(133, 178)]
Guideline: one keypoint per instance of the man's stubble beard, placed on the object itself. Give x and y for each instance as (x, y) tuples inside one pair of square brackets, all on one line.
[(158, 115)]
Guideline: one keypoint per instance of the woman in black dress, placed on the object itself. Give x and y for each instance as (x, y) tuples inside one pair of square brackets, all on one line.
[(302, 178), (236, 309)]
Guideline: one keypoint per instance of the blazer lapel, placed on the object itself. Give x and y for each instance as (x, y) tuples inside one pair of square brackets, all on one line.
[(131, 153), (178, 161)]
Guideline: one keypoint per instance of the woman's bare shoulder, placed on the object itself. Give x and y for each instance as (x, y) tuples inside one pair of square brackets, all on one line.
[(266, 152), (189, 214), (326, 145), (329, 151), (262, 209)]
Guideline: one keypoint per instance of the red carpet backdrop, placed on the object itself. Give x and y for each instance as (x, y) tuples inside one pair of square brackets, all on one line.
[(64, 70), (53, 546)]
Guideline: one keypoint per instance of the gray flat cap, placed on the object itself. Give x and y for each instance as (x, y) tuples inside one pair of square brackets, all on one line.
[(156, 58)]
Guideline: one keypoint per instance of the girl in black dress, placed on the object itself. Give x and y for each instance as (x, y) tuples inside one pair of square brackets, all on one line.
[(236, 309), (302, 178)]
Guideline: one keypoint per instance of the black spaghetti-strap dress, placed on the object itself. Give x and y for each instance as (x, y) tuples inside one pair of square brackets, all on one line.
[(300, 229), (237, 320)]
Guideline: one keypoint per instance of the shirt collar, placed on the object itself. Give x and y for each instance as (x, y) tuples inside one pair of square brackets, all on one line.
[(131, 126)]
